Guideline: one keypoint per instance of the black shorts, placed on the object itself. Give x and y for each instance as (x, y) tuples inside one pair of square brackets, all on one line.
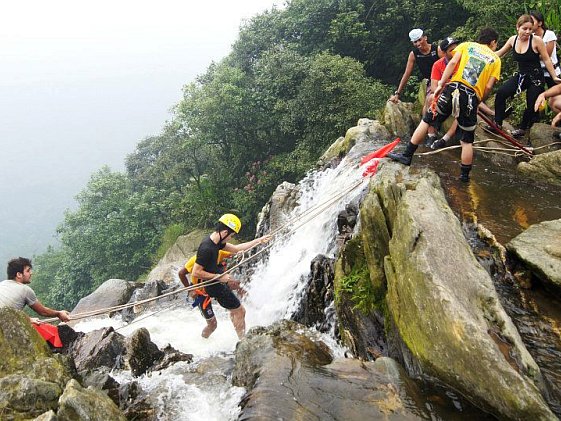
[(224, 295), (467, 118)]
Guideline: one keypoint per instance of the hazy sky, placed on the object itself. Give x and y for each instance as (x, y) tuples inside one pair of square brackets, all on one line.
[(81, 83)]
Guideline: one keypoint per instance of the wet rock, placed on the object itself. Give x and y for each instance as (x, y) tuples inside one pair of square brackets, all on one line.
[(31, 377), (274, 214), (347, 218), (113, 292), (150, 289), (542, 136), (539, 248), (318, 295), (444, 304), (135, 404), (290, 376), (184, 247), (400, 119), (101, 380), (77, 403), (170, 357), (361, 320), (365, 131), (141, 352), (545, 167), (47, 416), (99, 348)]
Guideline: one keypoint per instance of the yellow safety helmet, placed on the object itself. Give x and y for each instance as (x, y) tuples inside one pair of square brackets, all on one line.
[(231, 221)]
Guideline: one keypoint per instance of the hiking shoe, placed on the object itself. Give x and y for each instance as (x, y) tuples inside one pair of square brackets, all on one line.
[(438, 144), (518, 133), (399, 157), (464, 178)]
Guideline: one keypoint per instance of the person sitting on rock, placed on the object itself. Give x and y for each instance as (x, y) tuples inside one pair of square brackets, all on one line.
[(478, 67), (16, 293), (206, 268)]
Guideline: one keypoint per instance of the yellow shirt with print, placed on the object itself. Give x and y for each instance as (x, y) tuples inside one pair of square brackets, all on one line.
[(477, 65)]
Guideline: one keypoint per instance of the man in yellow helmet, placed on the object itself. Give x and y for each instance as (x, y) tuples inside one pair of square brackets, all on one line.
[(206, 267)]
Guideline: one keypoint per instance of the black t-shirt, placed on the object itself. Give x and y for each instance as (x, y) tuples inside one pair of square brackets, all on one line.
[(425, 61), (207, 255)]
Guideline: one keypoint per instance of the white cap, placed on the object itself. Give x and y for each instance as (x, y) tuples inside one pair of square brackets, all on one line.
[(415, 34)]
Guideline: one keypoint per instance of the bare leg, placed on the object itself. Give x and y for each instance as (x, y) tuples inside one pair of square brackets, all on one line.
[(420, 133), (452, 130), (467, 153), (238, 320), (209, 328)]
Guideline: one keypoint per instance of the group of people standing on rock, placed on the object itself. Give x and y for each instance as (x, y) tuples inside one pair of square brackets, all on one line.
[(464, 75)]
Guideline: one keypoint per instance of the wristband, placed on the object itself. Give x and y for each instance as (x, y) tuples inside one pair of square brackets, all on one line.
[(396, 93)]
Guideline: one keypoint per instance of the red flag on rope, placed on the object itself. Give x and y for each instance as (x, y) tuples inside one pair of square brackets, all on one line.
[(376, 156), (49, 333)]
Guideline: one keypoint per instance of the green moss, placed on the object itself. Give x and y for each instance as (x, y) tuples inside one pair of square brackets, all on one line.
[(354, 280)]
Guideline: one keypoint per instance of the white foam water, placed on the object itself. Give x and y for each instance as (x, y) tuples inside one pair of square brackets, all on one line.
[(272, 294)]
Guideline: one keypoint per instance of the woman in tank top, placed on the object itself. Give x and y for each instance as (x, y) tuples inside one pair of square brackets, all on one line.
[(527, 51)]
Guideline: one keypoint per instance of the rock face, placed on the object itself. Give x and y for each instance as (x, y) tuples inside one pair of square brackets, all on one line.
[(542, 135), (365, 129), (141, 351), (545, 167), (99, 348), (316, 305), (168, 266), (443, 303), (77, 403), (36, 383), (273, 215), (539, 248), (113, 292), (290, 376), (400, 119), (31, 377)]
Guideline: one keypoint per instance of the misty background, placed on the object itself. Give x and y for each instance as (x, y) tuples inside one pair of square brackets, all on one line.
[(82, 83)]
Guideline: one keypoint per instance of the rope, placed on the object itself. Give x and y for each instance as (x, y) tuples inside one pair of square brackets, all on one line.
[(299, 220)]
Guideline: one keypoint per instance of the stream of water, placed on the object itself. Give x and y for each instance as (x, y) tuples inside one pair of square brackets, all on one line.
[(504, 202)]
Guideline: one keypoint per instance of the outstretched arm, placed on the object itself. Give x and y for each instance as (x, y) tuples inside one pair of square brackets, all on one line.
[(49, 312), (404, 78), (236, 248), (506, 48)]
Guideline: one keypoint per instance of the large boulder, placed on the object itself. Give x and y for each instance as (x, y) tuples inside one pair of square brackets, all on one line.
[(99, 348), (290, 375), (401, 119), (77, 403), (31, 377), (545, 167), (443, 303), (543, 136), (184, 247), (274, 214), (113, 292), (364, 131), (539, 248), (142, 353)]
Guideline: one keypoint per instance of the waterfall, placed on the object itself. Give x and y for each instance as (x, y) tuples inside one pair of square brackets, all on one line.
[(180, 392)]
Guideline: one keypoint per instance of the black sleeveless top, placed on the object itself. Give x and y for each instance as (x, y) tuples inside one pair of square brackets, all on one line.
[(527, 61), (425, 61)]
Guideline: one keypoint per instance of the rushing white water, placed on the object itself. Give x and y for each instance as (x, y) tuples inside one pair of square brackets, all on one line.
[(271, 296)]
